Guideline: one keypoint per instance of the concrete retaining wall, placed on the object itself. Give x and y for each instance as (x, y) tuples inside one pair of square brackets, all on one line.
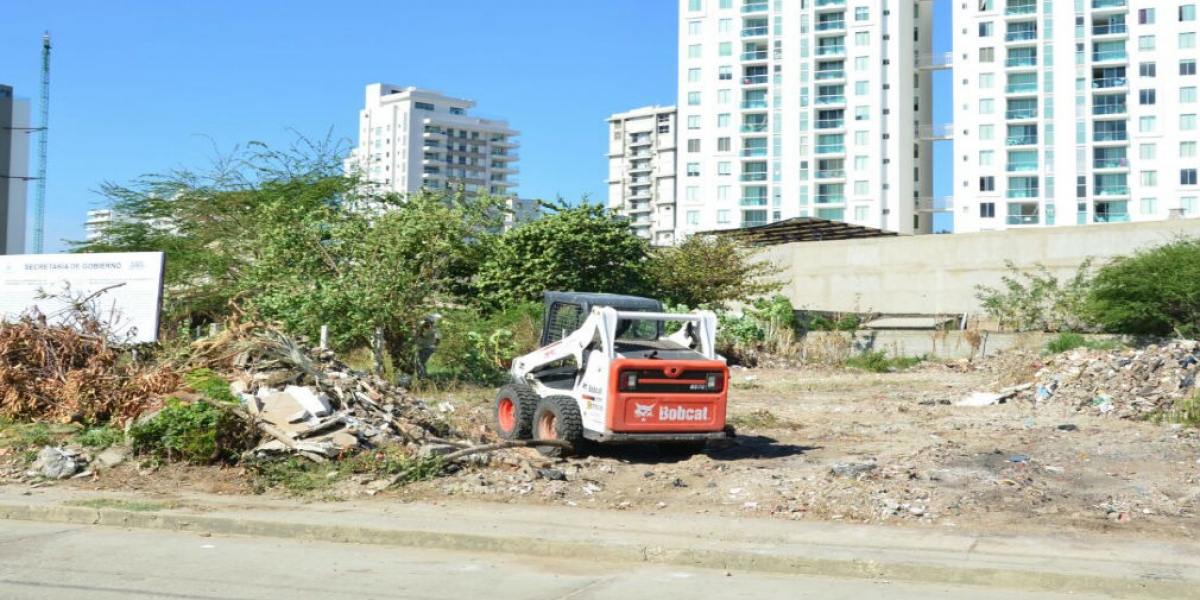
[(934, 344), (937, 274)]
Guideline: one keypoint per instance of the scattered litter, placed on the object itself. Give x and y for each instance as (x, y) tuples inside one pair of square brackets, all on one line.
[(57, 463), (981, 399), (852, 469), (1068, 427)]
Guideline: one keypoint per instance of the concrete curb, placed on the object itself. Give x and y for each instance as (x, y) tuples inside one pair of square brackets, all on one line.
[(878, 563)]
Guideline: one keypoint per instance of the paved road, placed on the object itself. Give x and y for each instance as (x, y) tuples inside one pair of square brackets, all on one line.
[(53, 562)]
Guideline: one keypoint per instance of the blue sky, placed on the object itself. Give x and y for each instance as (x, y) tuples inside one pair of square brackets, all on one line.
[(141, 86)]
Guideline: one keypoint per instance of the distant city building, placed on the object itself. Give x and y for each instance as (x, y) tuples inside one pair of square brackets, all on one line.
[(790, 109), (1074, 113), (521, 211), (641, 171), (96, 224), (14, 170)]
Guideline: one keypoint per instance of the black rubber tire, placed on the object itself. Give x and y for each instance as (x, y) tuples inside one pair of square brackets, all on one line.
[(524, 401), (557, 418)]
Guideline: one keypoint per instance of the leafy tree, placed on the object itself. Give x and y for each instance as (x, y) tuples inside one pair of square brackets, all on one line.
[(584, 248), (711, 270), (1155, 291), (1037, 300)]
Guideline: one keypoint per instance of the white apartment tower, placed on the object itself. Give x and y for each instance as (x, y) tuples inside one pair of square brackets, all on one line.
[(641, 171), (14, 170), (1074, 112), (411, 139), (792, 108)]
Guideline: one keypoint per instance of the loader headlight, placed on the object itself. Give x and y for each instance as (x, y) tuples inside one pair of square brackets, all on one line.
[(629, 381), (714, 382)]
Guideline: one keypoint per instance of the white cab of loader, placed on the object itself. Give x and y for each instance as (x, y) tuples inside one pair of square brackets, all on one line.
[(608, 372)]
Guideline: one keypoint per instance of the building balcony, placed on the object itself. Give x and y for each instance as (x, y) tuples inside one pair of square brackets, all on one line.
[(1110, 109), (751, 32), (1110, 136), (754, 104), (934, 204), (831, 50), (826, 75), (1111, 163), (1021, 167), (757, 7), (831, 174), (829, 199), (1122, 217), (832, 149), (754, 128), (753, 201), (1110, 29), (1020, 36), (830, 3), (1021, 88), (1108, 4), (944, 131), (830, 124), (935, 61), (755, 79), (753, 152), (1020, 62), (1110, 56), (757, 55), (1112, 190), (1021, 140), (1021, 114), (640, 168), (831, 26), (1022, 220), (752, 177), (1021, 9), (823, 100), (1022, 193), (1108, 83)]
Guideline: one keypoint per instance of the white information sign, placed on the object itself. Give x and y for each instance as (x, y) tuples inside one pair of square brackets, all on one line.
[(133, 283)]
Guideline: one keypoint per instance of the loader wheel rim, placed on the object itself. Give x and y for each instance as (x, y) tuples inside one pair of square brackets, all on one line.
[(547, 426), (506, 414)]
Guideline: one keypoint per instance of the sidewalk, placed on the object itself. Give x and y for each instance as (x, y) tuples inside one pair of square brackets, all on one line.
[(1099, 564)]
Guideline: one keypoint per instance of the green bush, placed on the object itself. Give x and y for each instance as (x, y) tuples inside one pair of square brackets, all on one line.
[(1070, 341), (1037, 300), (100, 438), (1154, 292), (480, 348), (199, 433), (210, 385), (877, 361), (837, 323)]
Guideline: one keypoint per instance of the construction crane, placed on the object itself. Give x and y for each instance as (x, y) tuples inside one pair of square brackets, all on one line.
[(39, 206)]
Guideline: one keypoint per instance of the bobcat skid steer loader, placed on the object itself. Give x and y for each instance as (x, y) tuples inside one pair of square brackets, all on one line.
[(607, 372)]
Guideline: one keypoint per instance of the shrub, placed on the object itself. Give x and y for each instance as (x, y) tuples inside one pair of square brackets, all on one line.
[(100, 438), (1070, 341), (1037, 300), (877, 361), (199, 432), (1153, 292), (479, 349)]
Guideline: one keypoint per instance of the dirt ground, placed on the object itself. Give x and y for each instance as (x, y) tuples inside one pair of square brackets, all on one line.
[(837, 445)]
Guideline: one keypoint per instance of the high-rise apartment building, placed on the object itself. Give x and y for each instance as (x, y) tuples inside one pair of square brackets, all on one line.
[(1074, 112), (14, 170), (411, 139), (792, 108), (641, 171)]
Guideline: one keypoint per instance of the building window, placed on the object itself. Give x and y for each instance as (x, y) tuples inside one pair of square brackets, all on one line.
[(1149, 206), (723, 168), (1188, 204), (724, 144), (693, 121), (987, 210), (694, 75), (726, 4), (693, 27), (723, 217), (1187, 149), (693, 145), (725, 25), (987, 106), (1147, 97), (1147, 124), (1187, 122), (861, 88), (694, 51), (1146, 42), (862, 13), (722, 120), (1187, 12), (1149, 178), (725, 72), (1187, 95), (423, 106), (1187, 67), (987, 81), (725, 49), (985, 29), (1148, 151), (723, 96), (1187, 41), (1147, 69), (862, 188), (693, 217), (862, 38), (861, 138), (861, 63), (693, 98), (987, 55), (862, 113), (695, 5), (693, 169), (1187, 177), (722, 192), (691, 193), (1146, 16), (986, 157), (987, 132), (987, 184)]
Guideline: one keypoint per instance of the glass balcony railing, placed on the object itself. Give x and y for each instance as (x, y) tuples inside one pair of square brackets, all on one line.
[(830, 50), (754, 104), (831, 174), (1020, 88), (754, 79), (755, 31), (1108, 3), (830, 199), (832, 149), (1110, 136), (1021, 140), (1022, 220), (1021, 61), (1110, 109), (754, 128), (753, 177), (831, 124), (831, 99), (1021, 113), (1111, 218), (1110, 163), (1022, 166), (1103, 83), (830, 25), (1110, 55), (827, 3), (1018, 36), (753, 201), (831, 75), (755, 8), (1112, 190), (1110, 29), (1023, 193), (1022, 9), (754, 152), (756, 55)]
